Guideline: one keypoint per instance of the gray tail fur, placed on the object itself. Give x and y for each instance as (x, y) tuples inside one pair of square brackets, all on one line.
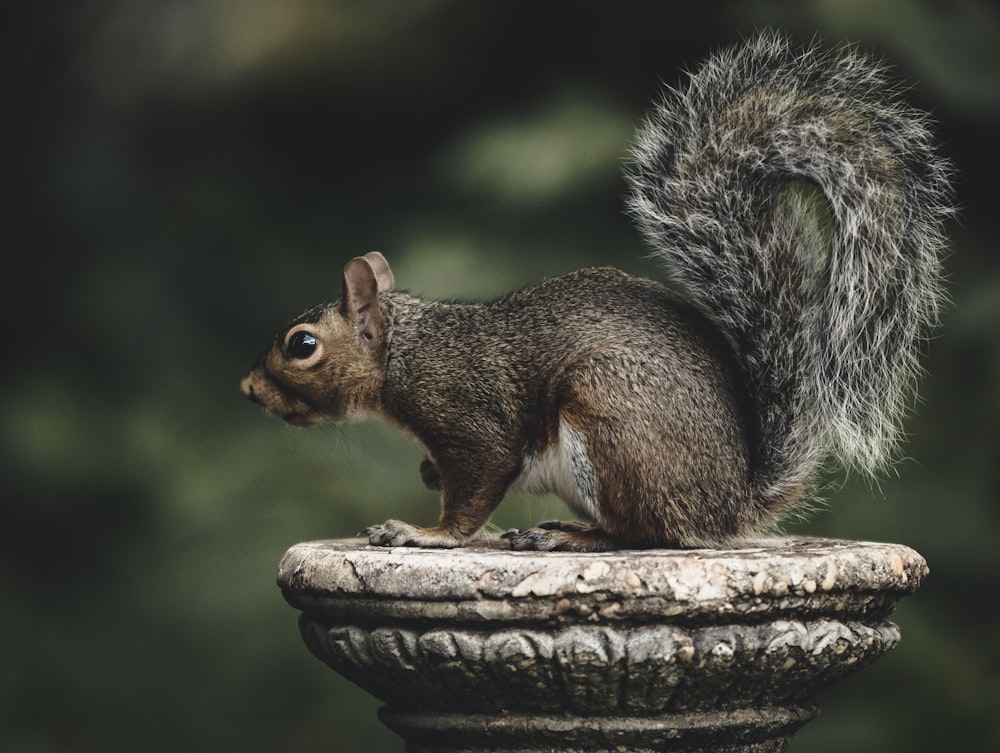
[(827, 304)]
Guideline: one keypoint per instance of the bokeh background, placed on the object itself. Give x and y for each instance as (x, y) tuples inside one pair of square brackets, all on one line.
[(183, 176)]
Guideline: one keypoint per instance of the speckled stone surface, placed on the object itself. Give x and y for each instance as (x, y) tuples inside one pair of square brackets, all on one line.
[(482, 648)]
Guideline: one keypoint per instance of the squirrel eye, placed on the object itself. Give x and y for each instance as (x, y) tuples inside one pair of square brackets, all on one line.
[(301, 345)]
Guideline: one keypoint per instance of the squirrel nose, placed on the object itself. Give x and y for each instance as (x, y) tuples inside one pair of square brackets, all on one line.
[(246, 387)]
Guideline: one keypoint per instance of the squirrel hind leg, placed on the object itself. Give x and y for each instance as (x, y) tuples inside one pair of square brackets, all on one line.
[(562, 537)]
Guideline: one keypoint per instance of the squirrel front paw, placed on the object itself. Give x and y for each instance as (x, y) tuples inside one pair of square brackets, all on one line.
[(430, 475), (398, 533)]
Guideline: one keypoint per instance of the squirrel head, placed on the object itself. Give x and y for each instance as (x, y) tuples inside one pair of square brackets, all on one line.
[(328, 362)]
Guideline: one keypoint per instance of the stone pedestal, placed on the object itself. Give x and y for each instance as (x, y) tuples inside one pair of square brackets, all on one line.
[(484, 649)]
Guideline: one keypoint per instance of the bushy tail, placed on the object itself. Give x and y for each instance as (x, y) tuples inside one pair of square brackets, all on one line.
[(827, 304)]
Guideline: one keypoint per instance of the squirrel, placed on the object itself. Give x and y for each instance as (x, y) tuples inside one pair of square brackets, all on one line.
[(690, 415)]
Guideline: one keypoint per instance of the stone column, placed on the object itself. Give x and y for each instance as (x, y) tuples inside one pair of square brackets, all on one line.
[(484, 649)]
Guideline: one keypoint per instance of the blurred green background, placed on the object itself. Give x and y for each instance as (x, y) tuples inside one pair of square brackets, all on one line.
[(183, 177)]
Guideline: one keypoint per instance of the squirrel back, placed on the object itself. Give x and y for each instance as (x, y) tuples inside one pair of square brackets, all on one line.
[(826, 307)]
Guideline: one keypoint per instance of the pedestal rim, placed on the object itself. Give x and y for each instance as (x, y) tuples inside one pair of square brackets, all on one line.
[(804, 577)]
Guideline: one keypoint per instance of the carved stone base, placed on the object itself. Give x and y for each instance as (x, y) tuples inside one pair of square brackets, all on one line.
[(483, 649)]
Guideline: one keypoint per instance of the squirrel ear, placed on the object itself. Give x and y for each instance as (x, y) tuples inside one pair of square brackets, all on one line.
[(359, 302), (383, 275)]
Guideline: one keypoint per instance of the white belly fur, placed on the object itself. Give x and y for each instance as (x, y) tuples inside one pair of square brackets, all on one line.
[(565, 470)]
